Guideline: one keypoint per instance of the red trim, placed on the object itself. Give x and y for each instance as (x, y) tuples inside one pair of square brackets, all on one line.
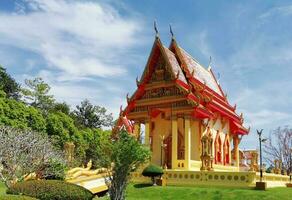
[(224, 112), (154, 113), (237, 128), (182, 84)]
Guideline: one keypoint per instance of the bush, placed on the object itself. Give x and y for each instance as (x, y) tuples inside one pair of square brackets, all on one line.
[(152, 171), (51, 189), (54, 170), (16, 197)]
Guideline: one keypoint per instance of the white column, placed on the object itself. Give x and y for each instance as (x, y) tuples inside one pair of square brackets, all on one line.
[(187, 142), (147, 133), (174, 143)]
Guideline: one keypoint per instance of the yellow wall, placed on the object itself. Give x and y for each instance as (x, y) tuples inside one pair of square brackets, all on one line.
[(195, 140), (216, 178), (162, 127)]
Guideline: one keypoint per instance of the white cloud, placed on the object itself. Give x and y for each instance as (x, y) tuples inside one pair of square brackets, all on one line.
[(80, 48), (279, 10), (79, 38)]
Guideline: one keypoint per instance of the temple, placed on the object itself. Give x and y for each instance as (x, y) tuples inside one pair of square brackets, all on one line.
[(187, 119)]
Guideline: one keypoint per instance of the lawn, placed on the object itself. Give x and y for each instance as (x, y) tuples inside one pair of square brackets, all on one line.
[(2, 188), (203, 193), (143, 192)]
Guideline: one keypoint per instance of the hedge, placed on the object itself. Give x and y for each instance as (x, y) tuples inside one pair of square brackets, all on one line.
[(51, 189), (152, 171), (16, 197)]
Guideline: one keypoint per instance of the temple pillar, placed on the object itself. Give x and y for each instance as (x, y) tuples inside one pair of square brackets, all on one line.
[(137, 130), (187, 142), (174, 142), (147, 133), (236, 150)]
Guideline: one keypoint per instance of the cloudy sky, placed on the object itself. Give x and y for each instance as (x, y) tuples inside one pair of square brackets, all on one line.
[(95, 49)]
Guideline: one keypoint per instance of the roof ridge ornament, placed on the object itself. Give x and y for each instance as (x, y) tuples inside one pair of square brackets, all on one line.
[(155, 29), (218, 79), (209, 65), (171, 32), (121, 111), (137, 81), (128, 98), (177, 75)]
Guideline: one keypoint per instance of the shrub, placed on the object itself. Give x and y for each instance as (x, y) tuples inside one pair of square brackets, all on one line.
[(16, 197), (51, 189), (152, 171), (54, 170)]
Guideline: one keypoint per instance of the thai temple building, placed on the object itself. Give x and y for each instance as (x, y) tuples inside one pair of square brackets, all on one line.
[(189, 123), (181, 113)]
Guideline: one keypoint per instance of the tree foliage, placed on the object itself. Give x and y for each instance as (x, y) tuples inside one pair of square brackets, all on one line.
[(61, 107), (122, 155), (37, 94), (25, 152), (90, 116), (9, 85), (42, 114), (61, 128), (279, 146), (17, 114)]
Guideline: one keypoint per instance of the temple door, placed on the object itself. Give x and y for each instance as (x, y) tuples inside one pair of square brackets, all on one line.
[(167, 152)]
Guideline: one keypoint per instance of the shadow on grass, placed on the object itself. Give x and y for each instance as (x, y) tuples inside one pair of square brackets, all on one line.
[(142, 185)]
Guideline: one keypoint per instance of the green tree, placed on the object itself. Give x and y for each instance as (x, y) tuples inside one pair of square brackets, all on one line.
[(123, 155), (90, 116), (37, 94), (23, 152), (94, 138), (17, 114), (61, 107), (61, 129), (9, 85)]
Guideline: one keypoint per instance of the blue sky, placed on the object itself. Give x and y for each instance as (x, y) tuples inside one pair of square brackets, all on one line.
[(95, 49)]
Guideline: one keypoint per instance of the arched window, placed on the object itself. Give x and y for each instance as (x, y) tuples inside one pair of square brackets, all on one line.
[(226, 147), (218, 145)]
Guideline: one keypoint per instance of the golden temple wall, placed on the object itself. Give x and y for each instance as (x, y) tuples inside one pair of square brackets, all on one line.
[(162, 127), (215, 178)]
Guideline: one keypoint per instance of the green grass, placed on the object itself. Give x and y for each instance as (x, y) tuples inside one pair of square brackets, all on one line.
[(2, 189), (143, 192)]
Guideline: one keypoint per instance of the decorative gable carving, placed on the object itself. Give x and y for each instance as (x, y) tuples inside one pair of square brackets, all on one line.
[(160, 72)]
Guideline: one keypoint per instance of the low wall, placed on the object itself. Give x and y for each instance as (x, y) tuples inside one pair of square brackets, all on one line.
[(215, 178), (274, 180), (94, 183)]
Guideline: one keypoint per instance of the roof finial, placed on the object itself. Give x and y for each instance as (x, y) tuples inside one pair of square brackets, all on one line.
[(210, 61), (171, 32), (155, 28), (218, 79)]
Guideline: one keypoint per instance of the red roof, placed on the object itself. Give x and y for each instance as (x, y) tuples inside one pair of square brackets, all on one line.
[(186, 72)]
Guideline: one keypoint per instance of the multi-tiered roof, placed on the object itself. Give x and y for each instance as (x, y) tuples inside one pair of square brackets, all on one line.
[(201, 88)]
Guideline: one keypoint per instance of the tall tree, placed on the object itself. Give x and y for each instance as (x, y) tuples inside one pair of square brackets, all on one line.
[(61, 107), (9, 85), (279, 147), (121, 155), (37, 94), (90, 116)]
